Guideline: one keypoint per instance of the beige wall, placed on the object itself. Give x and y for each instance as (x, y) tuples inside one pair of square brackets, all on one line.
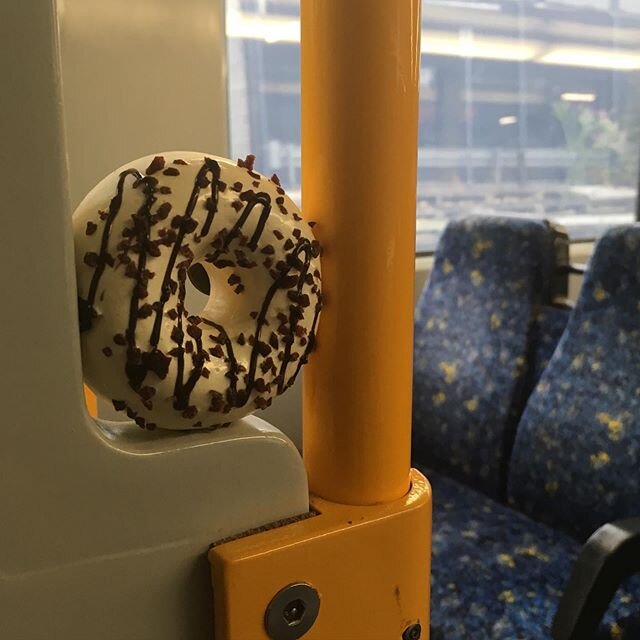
[(156, 81)]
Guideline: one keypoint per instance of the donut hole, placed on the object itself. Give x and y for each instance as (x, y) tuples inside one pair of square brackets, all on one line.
[(212, 293), (199, 278), (198, 289)]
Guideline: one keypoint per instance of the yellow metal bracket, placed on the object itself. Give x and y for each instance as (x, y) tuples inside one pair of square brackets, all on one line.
[(369, 565)]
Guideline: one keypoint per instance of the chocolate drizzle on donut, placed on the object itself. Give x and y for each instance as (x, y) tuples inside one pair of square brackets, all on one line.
[(210, 166), (137, 239), (114, 209)]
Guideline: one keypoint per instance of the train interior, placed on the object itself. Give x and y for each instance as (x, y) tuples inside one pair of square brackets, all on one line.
[(459, 459)]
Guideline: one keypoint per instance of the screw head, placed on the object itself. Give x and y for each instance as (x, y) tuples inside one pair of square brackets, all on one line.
[(292, 612), (412, 632)]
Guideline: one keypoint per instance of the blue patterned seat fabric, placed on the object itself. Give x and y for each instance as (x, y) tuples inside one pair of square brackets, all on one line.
[(546, 330), (498, 575), (576, 459), (472, 344)]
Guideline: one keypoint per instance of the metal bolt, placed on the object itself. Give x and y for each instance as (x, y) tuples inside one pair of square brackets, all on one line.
[(292, 612), (412, 632)]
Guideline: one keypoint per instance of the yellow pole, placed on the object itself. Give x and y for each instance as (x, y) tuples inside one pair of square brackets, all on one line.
[(360, 78), (360, 61), (91, 401)]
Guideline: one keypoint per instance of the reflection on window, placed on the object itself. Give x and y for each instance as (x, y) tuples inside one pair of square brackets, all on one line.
[(527, 108)]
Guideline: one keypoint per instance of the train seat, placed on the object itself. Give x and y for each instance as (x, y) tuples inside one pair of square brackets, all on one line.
[(496, 574), (576, 458), (546, 330), (505, 571), (473, 353)]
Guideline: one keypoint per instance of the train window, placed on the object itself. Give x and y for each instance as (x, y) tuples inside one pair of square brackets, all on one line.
[(528, 107)]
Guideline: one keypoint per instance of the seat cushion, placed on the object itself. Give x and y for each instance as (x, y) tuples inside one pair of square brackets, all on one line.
[(472, 343), (576, 458), (496, 574)]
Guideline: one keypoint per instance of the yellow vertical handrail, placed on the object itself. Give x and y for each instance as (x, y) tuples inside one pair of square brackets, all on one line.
[(360, 69), (91, 401), (360, 80)]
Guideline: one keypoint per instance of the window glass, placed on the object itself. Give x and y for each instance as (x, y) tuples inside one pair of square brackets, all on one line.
[(527, 107), (632, 6)]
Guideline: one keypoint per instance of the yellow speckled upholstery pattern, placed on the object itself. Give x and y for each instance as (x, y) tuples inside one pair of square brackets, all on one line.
[(472, 345), (576, 459)]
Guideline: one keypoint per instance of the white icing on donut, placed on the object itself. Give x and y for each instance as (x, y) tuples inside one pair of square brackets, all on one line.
[(136, 235)]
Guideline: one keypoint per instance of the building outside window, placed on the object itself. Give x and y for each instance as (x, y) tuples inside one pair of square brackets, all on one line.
[(528, 107)]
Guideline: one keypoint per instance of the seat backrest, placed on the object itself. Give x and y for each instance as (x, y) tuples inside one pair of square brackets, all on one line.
[(472, 344), (546, 329), (576, 458)]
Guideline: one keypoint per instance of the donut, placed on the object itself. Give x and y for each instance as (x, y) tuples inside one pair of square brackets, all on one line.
[(146, 229)]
